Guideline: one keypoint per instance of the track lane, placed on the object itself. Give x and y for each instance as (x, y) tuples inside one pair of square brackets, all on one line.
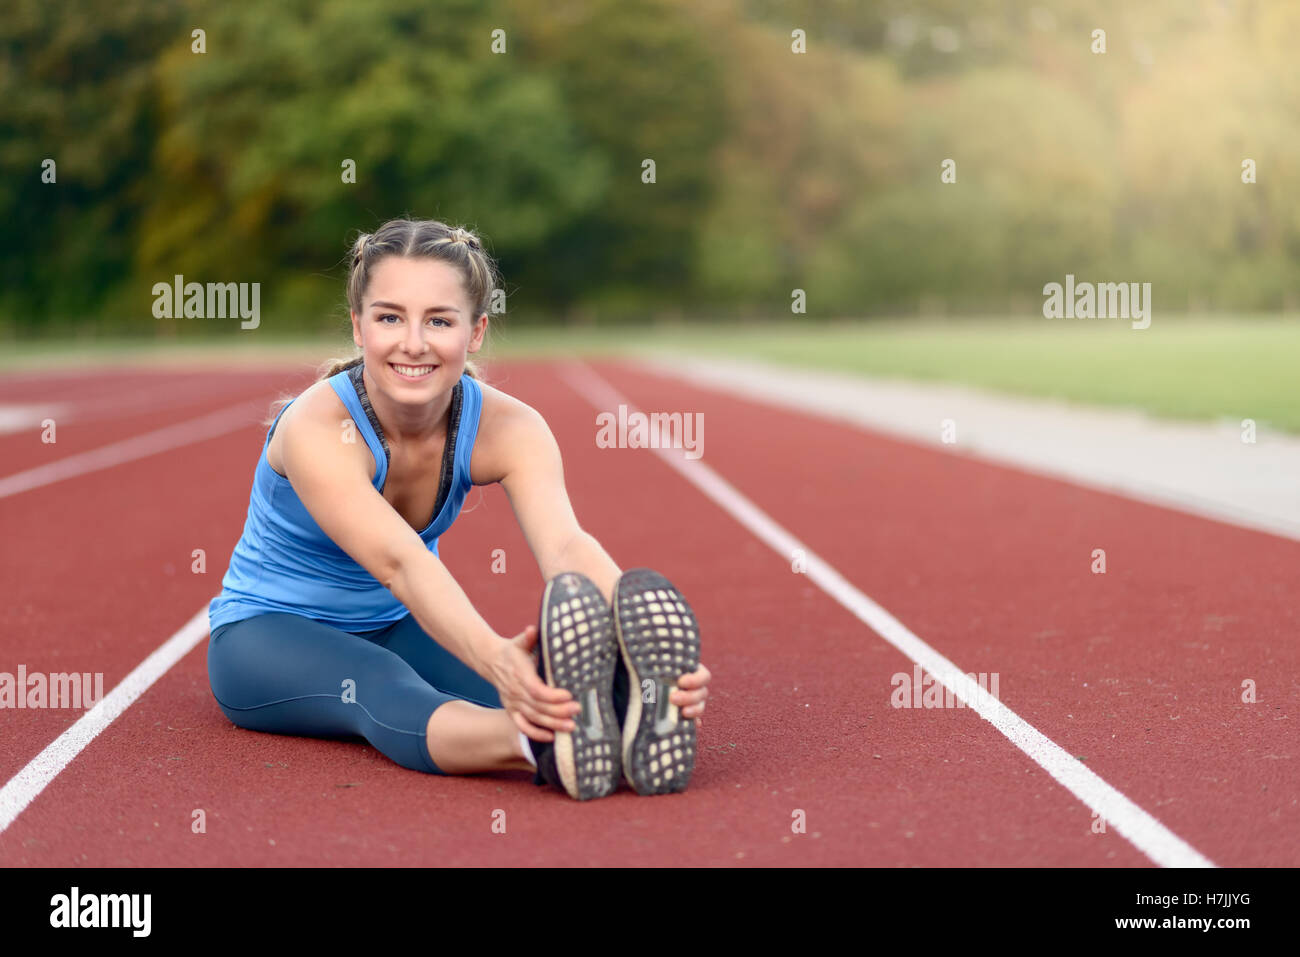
[(770, 755), (104, 570), (1138, 670), (95, 411)]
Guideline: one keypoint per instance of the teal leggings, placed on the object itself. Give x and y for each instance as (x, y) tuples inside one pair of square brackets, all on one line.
[(291, 675)]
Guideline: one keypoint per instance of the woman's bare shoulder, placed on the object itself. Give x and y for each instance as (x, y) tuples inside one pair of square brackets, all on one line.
[(500, 406), (316, 405), (505, 424)]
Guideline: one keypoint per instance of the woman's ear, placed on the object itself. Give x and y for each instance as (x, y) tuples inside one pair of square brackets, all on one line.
[(476, 338), (356, 330)]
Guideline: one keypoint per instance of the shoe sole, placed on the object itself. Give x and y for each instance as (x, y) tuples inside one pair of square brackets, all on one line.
[(659, 639), (579, 654)]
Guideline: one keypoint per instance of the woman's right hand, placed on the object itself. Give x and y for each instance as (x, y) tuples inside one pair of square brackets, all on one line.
[(538, 709)]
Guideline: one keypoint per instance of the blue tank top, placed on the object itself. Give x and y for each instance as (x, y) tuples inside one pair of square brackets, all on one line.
[(284, 561)]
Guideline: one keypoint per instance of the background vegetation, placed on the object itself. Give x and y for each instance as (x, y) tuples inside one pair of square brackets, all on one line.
[(775, 170)]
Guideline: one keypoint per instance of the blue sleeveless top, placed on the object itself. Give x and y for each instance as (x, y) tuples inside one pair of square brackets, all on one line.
[(284, 561)]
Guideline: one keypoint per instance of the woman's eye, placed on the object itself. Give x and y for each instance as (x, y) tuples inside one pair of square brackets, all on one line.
[(387, 316), (438, 319)]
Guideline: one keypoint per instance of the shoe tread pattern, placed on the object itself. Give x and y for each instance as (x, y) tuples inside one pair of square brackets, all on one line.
[(660, 640), (579, 654)]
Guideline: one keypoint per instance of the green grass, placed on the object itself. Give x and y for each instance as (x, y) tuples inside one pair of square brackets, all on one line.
[(1179, 367)]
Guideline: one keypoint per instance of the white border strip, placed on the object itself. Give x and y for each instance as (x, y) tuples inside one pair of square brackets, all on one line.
[(1197, 468), (1142, 830), (165, 439), (28, 783)]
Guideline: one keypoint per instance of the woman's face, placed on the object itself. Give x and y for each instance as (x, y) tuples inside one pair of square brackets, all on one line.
[(416, 328)]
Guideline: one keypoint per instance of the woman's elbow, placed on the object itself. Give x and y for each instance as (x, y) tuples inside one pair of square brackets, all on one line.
[(394, 567)]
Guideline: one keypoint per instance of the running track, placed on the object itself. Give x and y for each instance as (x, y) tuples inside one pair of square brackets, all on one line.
[(1136, 674)]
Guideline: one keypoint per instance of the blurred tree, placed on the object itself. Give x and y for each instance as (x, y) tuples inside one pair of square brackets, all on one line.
[(249, 169), (774, 170), (75, 88), (811, 133), (642, 84)]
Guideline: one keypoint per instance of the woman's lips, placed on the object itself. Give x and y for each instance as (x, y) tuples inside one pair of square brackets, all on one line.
[(412, 373)]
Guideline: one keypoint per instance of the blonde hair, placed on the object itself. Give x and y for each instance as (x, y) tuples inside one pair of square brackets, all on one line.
[(413, 238)]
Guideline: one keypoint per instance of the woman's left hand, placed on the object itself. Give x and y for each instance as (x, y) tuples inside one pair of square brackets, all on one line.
[(691, 691)]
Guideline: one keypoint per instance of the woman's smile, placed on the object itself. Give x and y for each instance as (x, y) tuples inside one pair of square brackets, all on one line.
[(412, 373)]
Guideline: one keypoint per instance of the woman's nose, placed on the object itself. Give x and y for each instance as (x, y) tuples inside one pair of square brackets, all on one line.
[(415, 338)]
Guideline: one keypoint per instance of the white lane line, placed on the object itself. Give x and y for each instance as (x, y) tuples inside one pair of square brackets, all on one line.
[(207, 426), (1143, 831), (20, 418), (24, 787)]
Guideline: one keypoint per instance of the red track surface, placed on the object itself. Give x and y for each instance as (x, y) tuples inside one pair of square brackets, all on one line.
[(1137, 671)]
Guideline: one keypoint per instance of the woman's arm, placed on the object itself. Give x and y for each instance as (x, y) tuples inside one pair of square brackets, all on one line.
[(332, 478), (525, 459), (533, 478)]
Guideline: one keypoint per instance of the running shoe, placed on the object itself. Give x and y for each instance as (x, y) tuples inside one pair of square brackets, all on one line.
[(579, 653), (659, 640)]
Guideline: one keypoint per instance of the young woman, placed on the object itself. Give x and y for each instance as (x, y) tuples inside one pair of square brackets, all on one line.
[(336, 616)]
